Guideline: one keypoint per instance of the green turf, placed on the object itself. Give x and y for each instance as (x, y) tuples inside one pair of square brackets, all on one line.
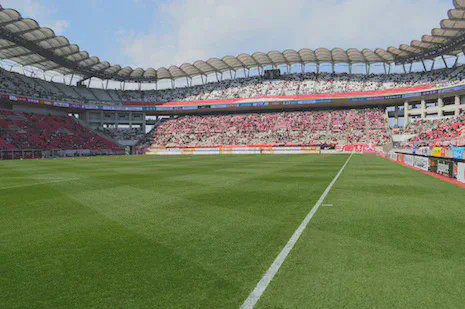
[(199, 232)]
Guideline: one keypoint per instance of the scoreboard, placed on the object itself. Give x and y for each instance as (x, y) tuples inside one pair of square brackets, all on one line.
[(272, 74)]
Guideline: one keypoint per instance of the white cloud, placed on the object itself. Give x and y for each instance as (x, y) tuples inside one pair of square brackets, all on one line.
[(34, 9), (60, 26), (188, 30)]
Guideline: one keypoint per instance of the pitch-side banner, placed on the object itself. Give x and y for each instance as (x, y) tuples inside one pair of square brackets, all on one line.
[(409, 160), (461, 172), (393, 156), (421, 163), (445, 168), (369, 148)]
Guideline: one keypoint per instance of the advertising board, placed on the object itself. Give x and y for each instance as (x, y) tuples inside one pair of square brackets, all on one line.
[(445, 168), (393, 156), (461, 172), (437, 152), (409, 160), (421, 163), (458, 152)]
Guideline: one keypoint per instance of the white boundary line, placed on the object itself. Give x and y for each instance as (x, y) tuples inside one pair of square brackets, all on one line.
[(38, 184), (254, 297)]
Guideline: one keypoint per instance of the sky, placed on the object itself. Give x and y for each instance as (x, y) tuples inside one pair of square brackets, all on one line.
[(161, 33), (156, 33)]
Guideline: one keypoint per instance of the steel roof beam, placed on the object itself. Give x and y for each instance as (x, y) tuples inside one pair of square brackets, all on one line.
[(23, 55), (35, 62)]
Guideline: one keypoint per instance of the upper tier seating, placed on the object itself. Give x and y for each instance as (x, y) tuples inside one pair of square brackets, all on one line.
[(288, 85), (298, 84)]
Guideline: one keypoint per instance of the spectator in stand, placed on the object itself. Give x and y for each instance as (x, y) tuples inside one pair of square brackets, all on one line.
[(431, 132), (133, 134), (250, 87), (24, 131), (294, 128)]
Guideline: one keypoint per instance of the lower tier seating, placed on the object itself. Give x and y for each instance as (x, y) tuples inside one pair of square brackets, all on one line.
[(24, 131), (287, 128)]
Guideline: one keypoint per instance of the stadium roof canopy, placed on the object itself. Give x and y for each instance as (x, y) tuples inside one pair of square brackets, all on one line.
[(23, 41)]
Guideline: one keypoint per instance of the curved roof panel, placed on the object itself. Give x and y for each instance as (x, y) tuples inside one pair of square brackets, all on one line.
[(25, 42)]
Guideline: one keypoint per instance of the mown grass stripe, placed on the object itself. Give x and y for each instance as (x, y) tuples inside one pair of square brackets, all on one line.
[(254, 297)]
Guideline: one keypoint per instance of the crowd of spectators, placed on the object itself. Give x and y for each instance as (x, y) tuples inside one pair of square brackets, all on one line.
[(298, 84), (126, 134), (25, 131), (13, 83), (432, 132), (287, 85), (329, 128)]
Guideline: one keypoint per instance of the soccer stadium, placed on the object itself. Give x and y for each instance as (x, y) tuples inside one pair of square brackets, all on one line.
[(272, 179)]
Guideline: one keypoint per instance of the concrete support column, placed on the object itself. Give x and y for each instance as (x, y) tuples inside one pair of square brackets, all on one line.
[(406, 114), (143, 122), (457, 105), (423, 109), (440, 107), (396, 115)]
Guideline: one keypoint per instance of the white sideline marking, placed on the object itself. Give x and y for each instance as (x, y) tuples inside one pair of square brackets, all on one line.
[(327, 205), (254, 297), (39, 183)]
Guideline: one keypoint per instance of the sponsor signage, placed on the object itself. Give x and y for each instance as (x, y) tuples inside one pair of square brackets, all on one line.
[(358, 148), (220, 106), (457, 88), (458, 152), (421, 163), (445, 168), (437, 152), (369, 148), (408, 159), (189, 107), (400, 158), (461, 172), (396, 96), (433, 165), (411, 95), (393, 156)]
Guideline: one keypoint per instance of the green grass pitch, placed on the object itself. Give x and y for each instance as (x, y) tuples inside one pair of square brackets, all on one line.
[(199, 232)]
